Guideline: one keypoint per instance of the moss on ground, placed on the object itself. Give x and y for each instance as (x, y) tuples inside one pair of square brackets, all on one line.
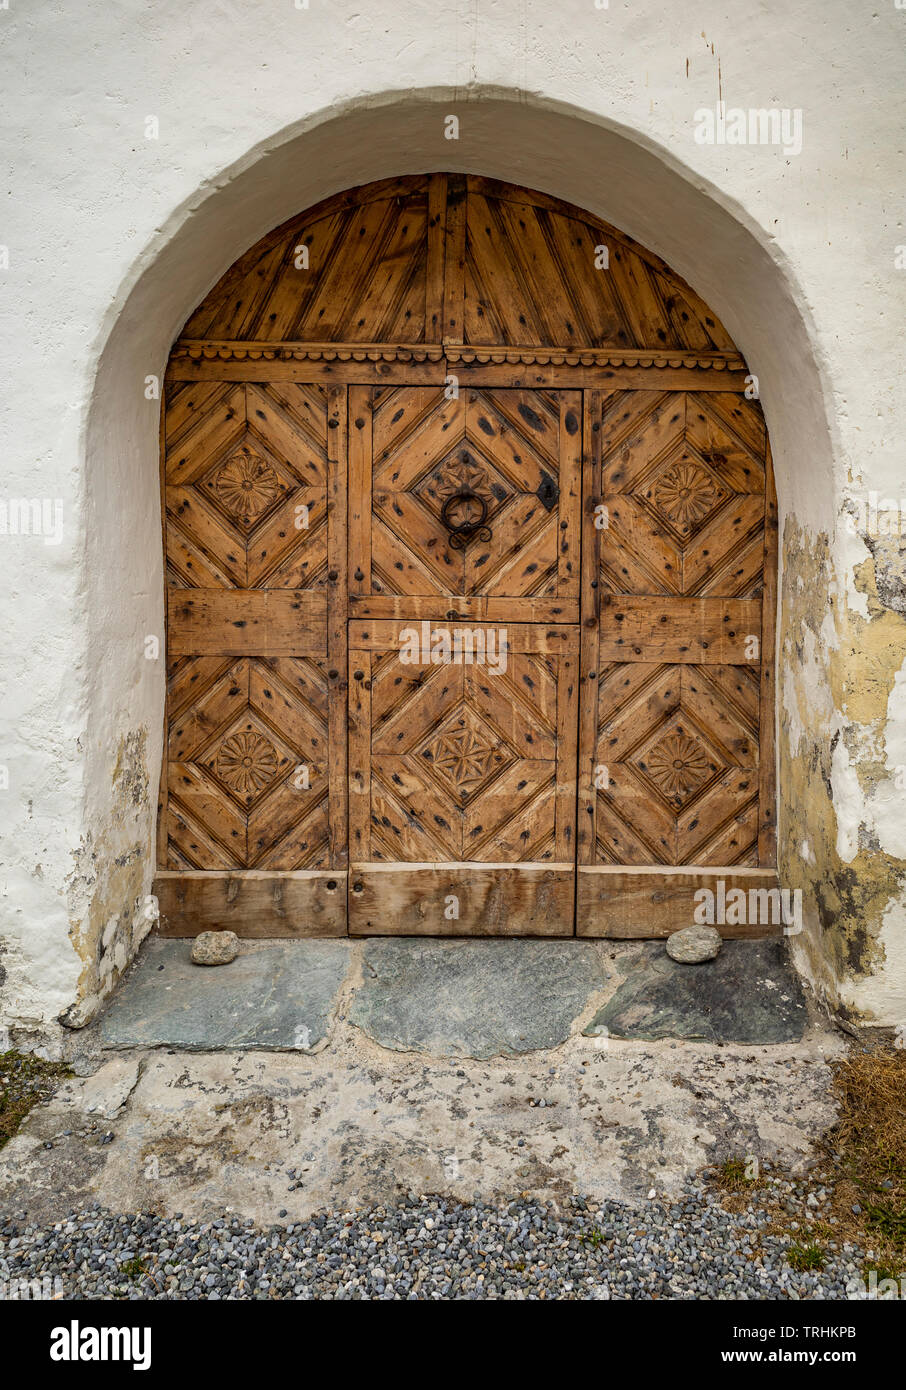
[(24, 1081)]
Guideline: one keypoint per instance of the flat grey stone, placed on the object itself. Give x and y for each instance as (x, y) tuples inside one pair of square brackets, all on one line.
[(215, 948), (749, 993), (474, 998), (275, 994), (692, 945)]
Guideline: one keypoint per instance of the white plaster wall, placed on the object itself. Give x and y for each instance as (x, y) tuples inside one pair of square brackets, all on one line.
[(262, 109)]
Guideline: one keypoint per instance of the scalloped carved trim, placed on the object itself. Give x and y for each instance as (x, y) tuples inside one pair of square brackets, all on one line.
[(195, 349)]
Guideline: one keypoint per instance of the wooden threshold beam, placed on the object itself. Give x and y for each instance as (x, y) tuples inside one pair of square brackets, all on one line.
[(252, 903), (646, 903)]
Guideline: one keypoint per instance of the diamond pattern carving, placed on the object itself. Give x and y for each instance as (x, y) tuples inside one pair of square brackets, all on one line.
[(242, 463), (459, 765), (683, 483), (464, 753), (680, 744), (238, 730), (502, 445)]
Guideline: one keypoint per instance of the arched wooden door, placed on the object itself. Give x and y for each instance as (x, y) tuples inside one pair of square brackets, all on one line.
[(470, 538)]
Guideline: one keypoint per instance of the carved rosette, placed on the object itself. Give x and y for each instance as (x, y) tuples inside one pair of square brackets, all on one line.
[(246, 763), (685, 495), (461, 475), (678, 764), (464, 755), (246, 485)]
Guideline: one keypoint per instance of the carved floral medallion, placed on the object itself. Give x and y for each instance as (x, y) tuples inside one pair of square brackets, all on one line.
[(678, 765), (246, 485), (685, 494), (464, 755), (461, 475), (246, 762)]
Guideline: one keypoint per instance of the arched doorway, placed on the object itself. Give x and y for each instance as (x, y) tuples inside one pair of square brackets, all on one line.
[(471, 550)]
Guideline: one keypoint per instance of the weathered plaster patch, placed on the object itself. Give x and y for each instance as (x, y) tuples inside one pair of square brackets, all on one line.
[(847, 669), (847, 799), (109, 913), (884, 997), (889, 554)]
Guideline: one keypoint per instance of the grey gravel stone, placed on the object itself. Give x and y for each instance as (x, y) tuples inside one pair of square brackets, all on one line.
[(435, 1248), (692, 945), (215, 948)]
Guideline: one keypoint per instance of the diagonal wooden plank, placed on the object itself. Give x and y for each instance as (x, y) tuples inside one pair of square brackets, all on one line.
[(215, 703)]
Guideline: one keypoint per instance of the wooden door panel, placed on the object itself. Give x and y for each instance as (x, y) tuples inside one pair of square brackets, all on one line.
[(673, 582), (460, 765), (439, 740), (492, 900), (691, 630), (409, 281), (462, 770), (256, 642), (414, 452)]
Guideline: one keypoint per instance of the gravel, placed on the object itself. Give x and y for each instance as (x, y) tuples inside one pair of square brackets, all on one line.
[(436, 1248)]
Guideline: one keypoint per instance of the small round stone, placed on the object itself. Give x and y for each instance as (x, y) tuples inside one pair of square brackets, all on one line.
[(215, 948), (694, 944)]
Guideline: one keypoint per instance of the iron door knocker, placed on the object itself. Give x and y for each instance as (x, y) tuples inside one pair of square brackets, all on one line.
[(475, 510)]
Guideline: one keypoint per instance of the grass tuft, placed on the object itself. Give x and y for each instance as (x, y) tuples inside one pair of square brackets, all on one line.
[(803, 1257)]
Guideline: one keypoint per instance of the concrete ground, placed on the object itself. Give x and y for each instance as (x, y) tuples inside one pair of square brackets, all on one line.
[(338, 1074)]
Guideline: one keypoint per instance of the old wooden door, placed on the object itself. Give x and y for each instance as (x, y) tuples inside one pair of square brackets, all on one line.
[(471, 555), (463, 659)]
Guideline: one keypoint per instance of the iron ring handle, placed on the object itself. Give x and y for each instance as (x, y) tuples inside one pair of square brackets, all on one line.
[(468, 527)]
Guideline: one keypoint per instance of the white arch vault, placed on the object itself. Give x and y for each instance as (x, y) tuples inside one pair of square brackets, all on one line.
[(735, 267)]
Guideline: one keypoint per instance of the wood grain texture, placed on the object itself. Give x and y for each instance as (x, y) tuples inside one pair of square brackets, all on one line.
[(473, 608), (449, 258), (767, 782), (337, 614), (671, 772), (403, 364), (462, 761), (310, 442), (253, 905), (255, 522), (488, 899), (621, 903), (281, 622), (365, 280), (519, 452)]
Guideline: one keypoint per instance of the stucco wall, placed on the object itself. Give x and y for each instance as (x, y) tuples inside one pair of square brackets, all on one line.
[(261, 110)]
